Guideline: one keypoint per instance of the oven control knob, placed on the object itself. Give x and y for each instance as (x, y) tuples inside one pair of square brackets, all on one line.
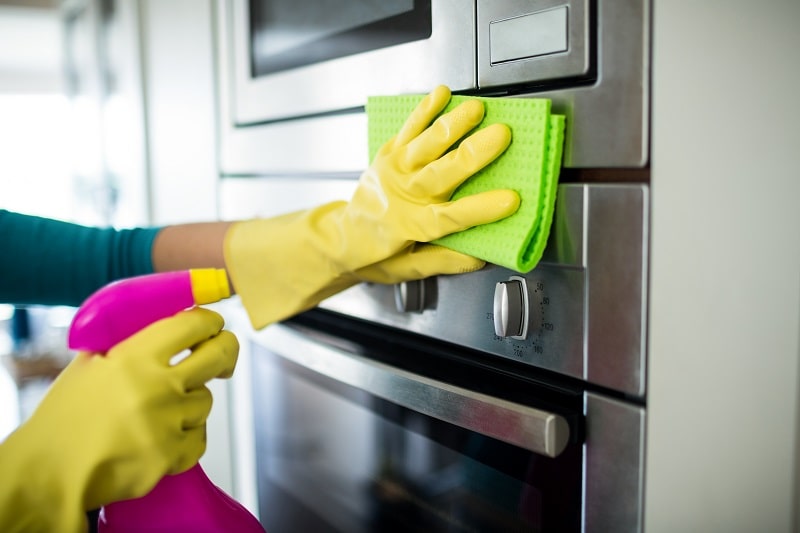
[(409, 296), (511, 308)]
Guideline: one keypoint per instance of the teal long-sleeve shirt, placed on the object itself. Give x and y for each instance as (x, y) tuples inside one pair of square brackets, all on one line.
[(50, 262)]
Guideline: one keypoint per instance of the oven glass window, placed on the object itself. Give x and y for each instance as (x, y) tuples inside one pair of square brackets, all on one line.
[(286, 34), (331, 458)]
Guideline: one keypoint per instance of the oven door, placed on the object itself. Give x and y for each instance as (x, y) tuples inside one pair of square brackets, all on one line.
[(351, 436)]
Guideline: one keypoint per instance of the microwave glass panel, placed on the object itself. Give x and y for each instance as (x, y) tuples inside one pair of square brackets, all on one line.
[(286, 34)]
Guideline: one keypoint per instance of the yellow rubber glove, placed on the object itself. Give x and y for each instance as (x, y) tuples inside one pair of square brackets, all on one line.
[(110, 427), (418, 261), (283, 265)]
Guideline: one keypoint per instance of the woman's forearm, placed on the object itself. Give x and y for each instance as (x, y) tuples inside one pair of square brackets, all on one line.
[(192, 245)]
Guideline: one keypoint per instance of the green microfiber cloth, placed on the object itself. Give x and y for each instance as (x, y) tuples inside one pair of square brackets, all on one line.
[(530, 166)]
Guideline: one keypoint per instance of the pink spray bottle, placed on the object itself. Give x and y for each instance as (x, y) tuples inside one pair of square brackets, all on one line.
[(184, 502)]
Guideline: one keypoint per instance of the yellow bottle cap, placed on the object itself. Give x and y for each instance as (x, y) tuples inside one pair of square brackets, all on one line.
[(209, 285)]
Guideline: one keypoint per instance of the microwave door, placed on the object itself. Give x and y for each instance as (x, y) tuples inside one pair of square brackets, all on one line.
[(295, 59)]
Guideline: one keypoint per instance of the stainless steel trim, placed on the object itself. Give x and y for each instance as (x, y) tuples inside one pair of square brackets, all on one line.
[(614, 466), (535, 430), (618, 220)]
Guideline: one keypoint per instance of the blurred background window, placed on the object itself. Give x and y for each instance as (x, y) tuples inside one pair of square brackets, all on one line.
[(35, 166), (36, 177)]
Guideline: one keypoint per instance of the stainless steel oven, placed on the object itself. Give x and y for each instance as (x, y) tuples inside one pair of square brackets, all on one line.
[(429, 406), (487, 401)]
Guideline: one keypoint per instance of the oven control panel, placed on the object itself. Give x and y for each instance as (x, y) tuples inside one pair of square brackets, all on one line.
[(580, 312), (534, 318)]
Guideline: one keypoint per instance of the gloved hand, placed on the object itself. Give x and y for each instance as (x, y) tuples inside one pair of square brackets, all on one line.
[(112, 426), (287, 264)]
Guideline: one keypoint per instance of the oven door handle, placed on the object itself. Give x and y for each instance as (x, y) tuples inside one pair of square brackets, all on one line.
[(539, 431)]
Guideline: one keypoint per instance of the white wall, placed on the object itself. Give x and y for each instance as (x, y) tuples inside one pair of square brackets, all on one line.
[(30, 50), (725, 302), (34, 114)]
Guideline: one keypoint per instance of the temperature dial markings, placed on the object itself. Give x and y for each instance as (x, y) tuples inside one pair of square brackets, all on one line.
[(543, 302)]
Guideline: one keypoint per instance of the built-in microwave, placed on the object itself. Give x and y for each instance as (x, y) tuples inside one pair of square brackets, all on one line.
[(284, 62)]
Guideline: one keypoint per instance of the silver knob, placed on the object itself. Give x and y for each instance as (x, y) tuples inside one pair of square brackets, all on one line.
[(511, 308), (409, 296)]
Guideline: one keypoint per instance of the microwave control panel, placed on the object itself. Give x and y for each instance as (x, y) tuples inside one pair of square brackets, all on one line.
[(535, 41)]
